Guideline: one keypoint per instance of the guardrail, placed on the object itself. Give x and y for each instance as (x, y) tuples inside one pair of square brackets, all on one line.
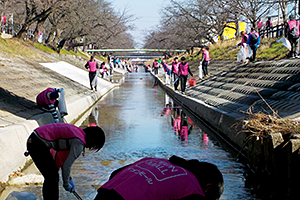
[(272, 32)]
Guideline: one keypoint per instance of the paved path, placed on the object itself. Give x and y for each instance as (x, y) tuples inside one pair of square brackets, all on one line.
[(74, 73)]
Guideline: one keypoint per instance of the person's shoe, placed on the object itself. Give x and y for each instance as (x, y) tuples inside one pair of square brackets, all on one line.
[(297, 56)]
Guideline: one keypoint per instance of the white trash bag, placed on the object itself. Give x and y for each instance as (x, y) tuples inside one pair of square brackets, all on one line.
[(200, 71), (244, 53), (285, 42), (62, 103), (249, 51)]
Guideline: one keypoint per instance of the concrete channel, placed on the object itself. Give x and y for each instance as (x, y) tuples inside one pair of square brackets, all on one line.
[(222, 100)]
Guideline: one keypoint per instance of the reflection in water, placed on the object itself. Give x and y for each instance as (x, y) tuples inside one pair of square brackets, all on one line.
[(140, 120)]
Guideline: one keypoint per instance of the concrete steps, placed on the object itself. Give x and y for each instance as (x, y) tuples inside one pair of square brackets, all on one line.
[(234, 88)]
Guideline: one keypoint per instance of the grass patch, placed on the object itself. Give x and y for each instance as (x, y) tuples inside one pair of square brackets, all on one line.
[(268, 49), (44, 48), (15, 47)]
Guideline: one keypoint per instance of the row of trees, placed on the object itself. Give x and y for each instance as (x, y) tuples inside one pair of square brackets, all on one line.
[(185, 23), (91, 21)]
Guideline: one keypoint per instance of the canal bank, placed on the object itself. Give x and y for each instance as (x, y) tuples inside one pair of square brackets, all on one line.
[(137, 125), (19, 115), (222, 101)]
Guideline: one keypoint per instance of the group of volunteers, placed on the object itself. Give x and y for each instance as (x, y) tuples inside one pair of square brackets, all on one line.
[(292, 33), (251, 40), (178, 71), (116, 62), (57, 145)]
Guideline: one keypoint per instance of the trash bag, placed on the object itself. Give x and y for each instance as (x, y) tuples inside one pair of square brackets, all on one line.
[(285, 42), (200, 71), (241, 56), (95, 80), (249, 51), (21, 196), (244, 53), (62, 103)]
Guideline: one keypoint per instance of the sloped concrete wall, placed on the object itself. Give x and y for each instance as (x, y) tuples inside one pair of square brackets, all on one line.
[(13, 138)]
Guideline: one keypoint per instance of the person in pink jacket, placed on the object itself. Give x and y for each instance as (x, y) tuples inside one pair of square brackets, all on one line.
[(175, 72), (47, 100), (292, 32), (244, 39), (184, 71), (205, 60), (92, 66), (162, 179), (58, 145)]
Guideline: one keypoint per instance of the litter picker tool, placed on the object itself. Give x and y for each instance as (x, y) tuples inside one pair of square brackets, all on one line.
[(175, 81), (77, 195)]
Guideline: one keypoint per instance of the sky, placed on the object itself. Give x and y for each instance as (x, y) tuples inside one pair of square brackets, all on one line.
[(146, 12)]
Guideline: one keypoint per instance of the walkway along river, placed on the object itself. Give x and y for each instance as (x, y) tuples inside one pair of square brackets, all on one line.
[(137, 126)]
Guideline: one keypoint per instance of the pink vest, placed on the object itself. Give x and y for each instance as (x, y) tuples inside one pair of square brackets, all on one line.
[(184, 68), (184, 133), (206, 55), (260, 24), (155, 64), (56, 131), (255, 33), (294, 23), (93, 66), (42, 99), (243, 39), (154, 178), (175, 67)]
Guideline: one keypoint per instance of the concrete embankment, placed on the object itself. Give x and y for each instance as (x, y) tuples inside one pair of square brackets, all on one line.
[(222, 101), (19, 116)]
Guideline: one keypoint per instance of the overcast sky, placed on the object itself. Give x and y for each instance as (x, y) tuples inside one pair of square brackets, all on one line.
[(146, 12)]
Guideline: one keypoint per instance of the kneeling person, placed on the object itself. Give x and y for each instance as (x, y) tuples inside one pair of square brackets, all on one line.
[(155, 178)]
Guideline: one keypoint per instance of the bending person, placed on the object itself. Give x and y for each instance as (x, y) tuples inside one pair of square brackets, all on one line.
[(58, 145), (156, 178), (47, 100)]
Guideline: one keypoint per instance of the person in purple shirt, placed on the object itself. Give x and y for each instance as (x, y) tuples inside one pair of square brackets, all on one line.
[(164, 179), (58, 145)]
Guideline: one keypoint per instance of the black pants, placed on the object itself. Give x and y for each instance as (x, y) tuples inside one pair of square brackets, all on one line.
[(43, 160), (155, 70), (204, 67), (175, 76), (295, 46), (92, 76), (254, 49), (183, 79)]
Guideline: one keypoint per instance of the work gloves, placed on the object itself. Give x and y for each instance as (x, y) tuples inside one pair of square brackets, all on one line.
[(70, 187)]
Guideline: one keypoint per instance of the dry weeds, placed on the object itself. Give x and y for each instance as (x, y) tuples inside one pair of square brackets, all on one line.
[(261, 125)]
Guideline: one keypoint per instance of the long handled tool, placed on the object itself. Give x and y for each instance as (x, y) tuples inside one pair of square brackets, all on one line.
[(77, 195), (175, 81)]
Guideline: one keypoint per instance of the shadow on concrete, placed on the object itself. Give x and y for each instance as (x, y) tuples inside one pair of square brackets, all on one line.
[(16, 105)]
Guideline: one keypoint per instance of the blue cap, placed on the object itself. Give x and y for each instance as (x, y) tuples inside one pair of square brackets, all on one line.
[(54, 94)]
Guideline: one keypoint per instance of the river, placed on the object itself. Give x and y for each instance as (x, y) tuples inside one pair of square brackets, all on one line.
[(138, 124)]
